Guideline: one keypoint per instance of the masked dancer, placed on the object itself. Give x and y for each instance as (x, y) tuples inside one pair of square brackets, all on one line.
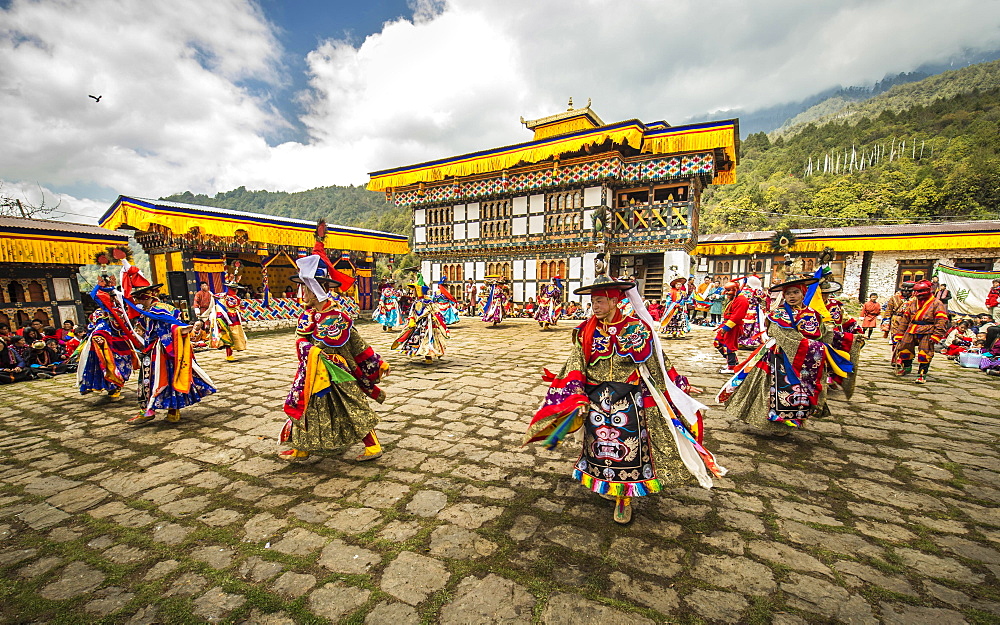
[(675, 321), (387, 313), (922, 324), (729, 333), (894, 307), (327, 406), (782, 384), (226, 319), (496, 300), (753, 321), (108, 353), (446, 303), (642, 431), (549, 306), (169, 375), (426, 332)]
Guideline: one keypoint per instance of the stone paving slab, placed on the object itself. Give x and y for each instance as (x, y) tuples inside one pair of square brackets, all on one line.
[(885, 512)]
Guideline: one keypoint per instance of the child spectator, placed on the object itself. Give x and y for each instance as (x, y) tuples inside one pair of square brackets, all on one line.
[(871, 311), (73, 341)]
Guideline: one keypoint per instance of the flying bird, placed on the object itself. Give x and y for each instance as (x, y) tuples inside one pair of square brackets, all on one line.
[(97, 98)]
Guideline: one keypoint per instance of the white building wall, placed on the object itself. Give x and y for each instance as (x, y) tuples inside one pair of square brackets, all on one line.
[(852, 277), (885, 265)]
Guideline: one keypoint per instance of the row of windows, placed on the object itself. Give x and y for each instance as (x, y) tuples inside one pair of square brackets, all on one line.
[(440, 215), (439, 234), (15, 292), (495, 209), (550, 268), (453, 273), (563, 200), (498, 269), (570, 222), (494, 229), (658, 195), (546, 269), (22, 318)]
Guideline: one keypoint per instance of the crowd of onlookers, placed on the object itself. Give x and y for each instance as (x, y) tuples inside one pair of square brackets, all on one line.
[(38, 351)]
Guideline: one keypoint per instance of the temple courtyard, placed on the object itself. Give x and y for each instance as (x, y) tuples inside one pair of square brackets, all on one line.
[(886, 512)]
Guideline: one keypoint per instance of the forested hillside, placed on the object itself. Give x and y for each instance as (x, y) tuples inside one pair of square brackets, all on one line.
[(936, 160), (849, 105), (347, 206)]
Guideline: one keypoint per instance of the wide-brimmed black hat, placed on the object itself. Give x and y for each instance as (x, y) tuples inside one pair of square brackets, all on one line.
[(906, 286), (830, 286), (604, 283), (323, 280), (794, 282), (139, 290)]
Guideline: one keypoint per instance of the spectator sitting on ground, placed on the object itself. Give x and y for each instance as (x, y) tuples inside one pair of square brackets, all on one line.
[(31, 335), (959, 339), (12, 367), (4, 330), (19, 348), (980, 341), (49, 332), (983, 324), (199, 337), (66, 331), (44, 361)]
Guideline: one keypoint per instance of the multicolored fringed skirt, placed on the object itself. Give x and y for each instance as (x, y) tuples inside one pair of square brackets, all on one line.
[(677, 326), (617, 456)]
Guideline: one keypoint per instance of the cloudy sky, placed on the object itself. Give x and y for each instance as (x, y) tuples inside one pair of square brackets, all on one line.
[(292, 95)]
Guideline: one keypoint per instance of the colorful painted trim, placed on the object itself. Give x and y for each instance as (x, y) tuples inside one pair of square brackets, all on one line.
[(969, 273), (615, 168), (180, 218), (661, 140)]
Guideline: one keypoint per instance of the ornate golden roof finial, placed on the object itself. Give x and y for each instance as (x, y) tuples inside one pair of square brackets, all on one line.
[(588, 102), (570, 104)]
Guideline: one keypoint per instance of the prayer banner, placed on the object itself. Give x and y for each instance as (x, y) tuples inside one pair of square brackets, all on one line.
[(968, 288)]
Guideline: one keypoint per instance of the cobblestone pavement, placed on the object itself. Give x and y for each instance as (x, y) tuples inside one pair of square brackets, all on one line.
[(885, 512)]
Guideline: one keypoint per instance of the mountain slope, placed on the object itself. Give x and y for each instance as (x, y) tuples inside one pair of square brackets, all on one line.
[(937, 160), (898, 98)]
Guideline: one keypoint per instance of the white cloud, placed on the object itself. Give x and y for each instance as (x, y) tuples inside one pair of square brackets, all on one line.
[(170, 113), (174, 115)]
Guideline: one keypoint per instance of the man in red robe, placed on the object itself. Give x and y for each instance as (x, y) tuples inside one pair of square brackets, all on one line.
[(728, 334)]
